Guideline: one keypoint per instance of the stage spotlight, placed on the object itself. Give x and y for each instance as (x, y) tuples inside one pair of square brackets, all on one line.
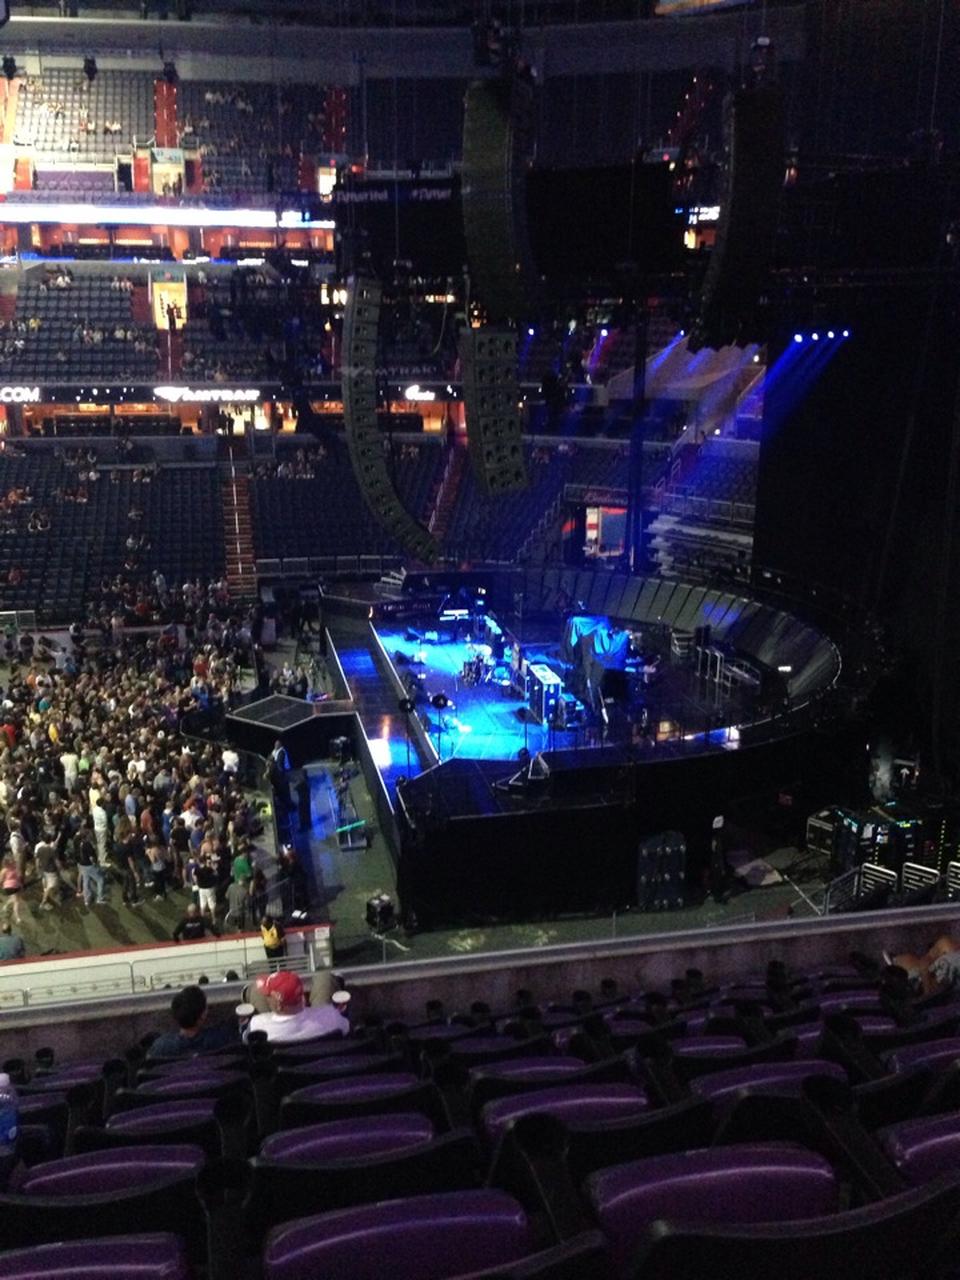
[(604, 332), (815, 337), (530, 333), (831, 334), (798, 337), (90, 68), (170, 72), (846, 333)]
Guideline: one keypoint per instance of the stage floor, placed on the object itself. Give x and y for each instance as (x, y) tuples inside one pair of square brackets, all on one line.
[(481, 724)]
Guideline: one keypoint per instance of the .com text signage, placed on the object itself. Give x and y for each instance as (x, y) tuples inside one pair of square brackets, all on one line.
[(19, 395)]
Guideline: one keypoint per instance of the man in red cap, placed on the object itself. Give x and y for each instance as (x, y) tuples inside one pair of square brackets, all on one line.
[(290, 1017)]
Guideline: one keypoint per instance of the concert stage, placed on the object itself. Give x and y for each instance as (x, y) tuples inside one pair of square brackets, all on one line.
[(494, 721), (643, 706)]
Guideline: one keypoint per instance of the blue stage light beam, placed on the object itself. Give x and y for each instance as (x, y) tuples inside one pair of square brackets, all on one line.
[(789, 379)]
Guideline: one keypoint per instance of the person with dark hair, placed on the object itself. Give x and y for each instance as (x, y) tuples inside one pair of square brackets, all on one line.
[(193, 926), (193, 1035)]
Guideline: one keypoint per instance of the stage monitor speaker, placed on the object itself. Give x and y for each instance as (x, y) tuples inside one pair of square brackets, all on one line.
[(488, 358), (496, 127), (360, 320), (749, 213)]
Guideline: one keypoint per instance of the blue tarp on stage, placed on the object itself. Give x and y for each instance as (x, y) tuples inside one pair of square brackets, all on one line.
[(590, 641)]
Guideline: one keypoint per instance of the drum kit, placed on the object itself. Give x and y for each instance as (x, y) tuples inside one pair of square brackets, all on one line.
[(478, 667)]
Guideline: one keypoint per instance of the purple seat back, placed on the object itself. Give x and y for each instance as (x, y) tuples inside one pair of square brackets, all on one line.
[(924, 1148), (204, 1065), (705, 1046), (350, 1064), (357, 1088), (163, 1116), (194, 1085), (747, 1183), (148, 1257), (64, 1077), (769, 1077), (587, 1103), (537, 1066), (807, 1036), (929, 1054), (428, 1237), (114, 1170), (348, 1139), (469, 1045), (849, 1001)]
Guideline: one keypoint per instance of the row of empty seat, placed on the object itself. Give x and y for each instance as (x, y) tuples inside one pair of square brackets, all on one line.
[(780, 1123)]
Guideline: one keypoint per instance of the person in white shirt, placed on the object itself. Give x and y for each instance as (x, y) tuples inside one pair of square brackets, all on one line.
[(290, 1018)]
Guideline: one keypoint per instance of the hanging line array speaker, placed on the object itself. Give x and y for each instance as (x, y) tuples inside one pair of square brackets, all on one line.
[(488, 360), (361, 319), (496, 129), (740, 262)]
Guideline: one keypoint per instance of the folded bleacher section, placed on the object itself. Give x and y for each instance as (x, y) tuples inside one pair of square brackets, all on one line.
[(72, 328), (780, 1123), (704, 525), (172, 514)]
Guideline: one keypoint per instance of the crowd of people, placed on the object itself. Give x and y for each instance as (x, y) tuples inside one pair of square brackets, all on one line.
[(103, 795)]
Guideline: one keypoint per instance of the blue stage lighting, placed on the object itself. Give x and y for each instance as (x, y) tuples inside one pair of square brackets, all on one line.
[(815, 337), (603, 333), (830, 333), (846, 333), (798, 337), (530, 333)]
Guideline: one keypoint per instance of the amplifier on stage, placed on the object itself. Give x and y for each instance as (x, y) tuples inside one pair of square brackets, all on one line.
[(544, 688), (898, 836)]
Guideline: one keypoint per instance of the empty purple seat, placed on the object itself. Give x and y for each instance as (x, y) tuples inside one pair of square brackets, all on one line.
[(193, 1085), (588, 1103), (163, 1117), (206, 1065), (348, 1139), (704, 1046), (430, 1237), (924, 1148), (850, 1002), (483, 1046), (117, 1170), (769, 1077), (929, 1055), (356, 1088), (537, 1066), (744, 1183), (351, 1064), (148, 1257)]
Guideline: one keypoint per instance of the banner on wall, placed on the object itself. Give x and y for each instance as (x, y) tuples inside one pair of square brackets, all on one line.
[(168, 156), (169, 301)]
